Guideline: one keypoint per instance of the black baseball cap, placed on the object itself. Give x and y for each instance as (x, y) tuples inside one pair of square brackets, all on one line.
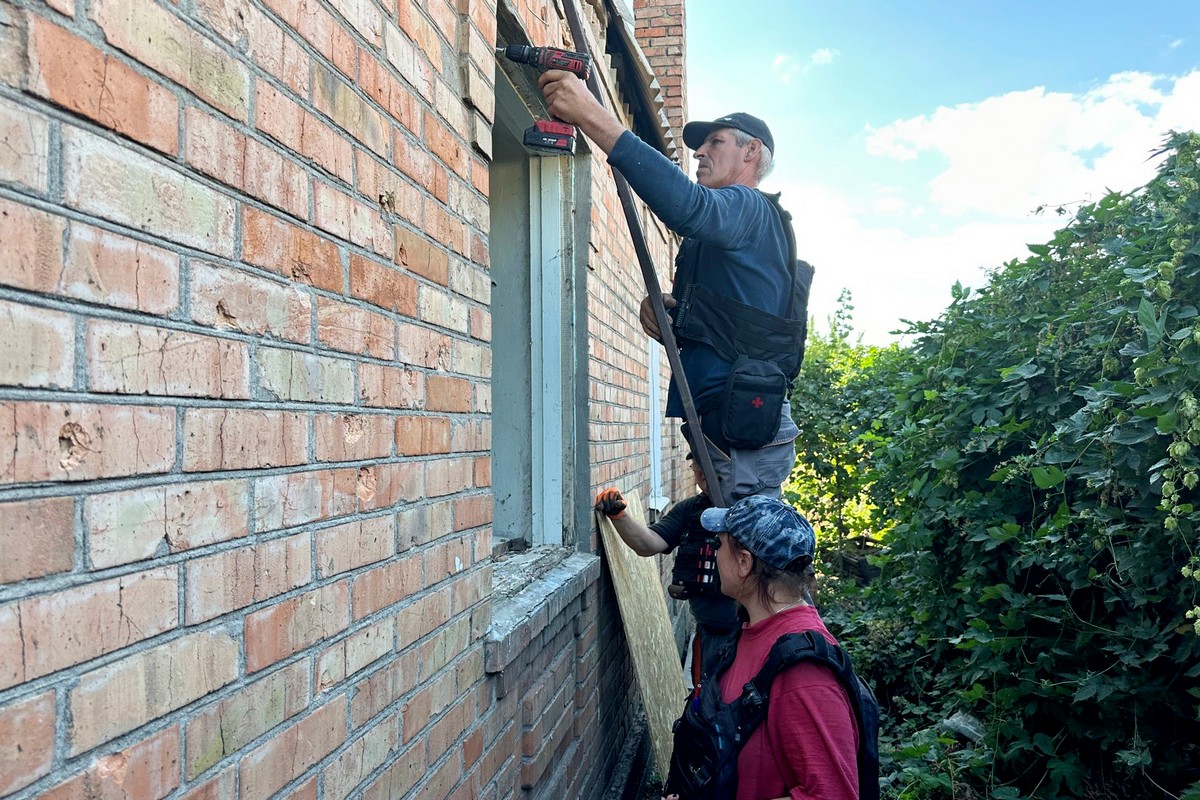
[(694, 133)]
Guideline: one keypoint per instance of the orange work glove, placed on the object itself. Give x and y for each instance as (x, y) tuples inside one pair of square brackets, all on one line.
[(610, 503)]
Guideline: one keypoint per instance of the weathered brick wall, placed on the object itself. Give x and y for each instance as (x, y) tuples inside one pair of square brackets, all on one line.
[(245, 396)]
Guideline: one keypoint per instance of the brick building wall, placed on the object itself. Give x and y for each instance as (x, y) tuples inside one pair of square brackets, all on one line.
[(246, 543)]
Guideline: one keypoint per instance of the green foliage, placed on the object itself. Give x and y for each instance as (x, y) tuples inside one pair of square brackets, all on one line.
[(838, 402), (1037, 470)]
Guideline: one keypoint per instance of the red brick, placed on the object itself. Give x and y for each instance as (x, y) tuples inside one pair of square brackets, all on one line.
[(444, 227), (385, 586), (234, 579), (147, 770), (219, 150), (355, 544), (284, 501), (76, 625), (364, 17), (403, 56), (138, 359), (412, 159), (13, 50), (382, 688), (235, 299), (399, 777), (420, 31), (24, 146), (418, 254), (352, 330), (274, 633), (113, 182), (422, 617), (354, 653), (472, 512), (471, 436), (483, 471), (300, 131), (161, 41), (383, 286), (335, 99), (347, 437), (447, 394), (219, 438), (37, 538), (419, 436), (30, 247), (291, 752), (447, 476), (131, 526), (388, 387), (385, 485), (304, 377), (376, 179), (75, 442), (221, 787), (293, 252), (347, 217), (39, 349), (319, 29), (395, 98), (438, 307), (423, 346), (68, 71), (26, 741), (148, 685), (224, 727), (445, 560), (362, 757), (113, 270)]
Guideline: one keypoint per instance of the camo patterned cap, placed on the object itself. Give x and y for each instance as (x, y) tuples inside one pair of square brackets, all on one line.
[(770, 529)]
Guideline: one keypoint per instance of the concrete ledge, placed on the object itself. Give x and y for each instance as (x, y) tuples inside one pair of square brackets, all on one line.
[(518, 617)]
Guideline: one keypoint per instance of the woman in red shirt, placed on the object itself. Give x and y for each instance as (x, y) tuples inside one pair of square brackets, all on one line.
[(806, 748)]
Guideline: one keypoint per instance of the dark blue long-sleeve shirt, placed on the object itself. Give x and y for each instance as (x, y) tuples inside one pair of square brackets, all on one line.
[(735, 235)]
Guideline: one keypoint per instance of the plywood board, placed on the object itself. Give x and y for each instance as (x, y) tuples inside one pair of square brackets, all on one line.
[(643, 606)]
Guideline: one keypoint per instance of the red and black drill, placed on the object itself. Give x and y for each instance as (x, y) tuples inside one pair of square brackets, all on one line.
[(546, 135)]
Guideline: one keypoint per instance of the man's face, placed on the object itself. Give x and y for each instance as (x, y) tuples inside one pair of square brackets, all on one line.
[(722, 161)]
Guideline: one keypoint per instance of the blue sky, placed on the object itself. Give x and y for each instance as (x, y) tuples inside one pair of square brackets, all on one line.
[(915, 139)]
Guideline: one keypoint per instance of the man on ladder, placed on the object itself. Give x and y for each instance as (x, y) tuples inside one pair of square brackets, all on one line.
[(739, 298)]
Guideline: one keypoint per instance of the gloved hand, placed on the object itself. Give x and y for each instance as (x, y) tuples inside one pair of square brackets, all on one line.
[(610, 503)]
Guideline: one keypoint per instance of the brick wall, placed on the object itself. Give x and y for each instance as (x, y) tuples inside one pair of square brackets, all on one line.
[(660, 27), (245, 358)]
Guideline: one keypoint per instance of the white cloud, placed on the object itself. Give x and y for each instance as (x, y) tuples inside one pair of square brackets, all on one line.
[(1006, 155), (1175, 44), (892, 274), (786, 68), (825, 55)]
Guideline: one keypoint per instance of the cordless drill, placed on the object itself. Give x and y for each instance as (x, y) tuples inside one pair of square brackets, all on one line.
[(549, 136)]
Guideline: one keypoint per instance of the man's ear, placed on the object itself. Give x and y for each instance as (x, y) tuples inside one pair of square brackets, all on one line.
[(753, 149)]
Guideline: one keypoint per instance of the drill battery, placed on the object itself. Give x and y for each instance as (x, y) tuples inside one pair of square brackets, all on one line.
[(551, 137)]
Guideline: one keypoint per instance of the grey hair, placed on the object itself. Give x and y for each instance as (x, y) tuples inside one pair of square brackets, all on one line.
[(766, 161)]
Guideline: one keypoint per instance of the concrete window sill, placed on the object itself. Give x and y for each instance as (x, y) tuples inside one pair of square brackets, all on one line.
[(529, 590)]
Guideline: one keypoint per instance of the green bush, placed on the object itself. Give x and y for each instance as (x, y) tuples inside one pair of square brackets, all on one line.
[(1035, 478)]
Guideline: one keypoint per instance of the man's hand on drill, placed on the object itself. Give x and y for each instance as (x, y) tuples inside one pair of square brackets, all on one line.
[(646, 315), (610, 503), (568, 99)]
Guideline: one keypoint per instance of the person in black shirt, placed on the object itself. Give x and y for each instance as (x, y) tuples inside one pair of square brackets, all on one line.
[(716, 615)]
